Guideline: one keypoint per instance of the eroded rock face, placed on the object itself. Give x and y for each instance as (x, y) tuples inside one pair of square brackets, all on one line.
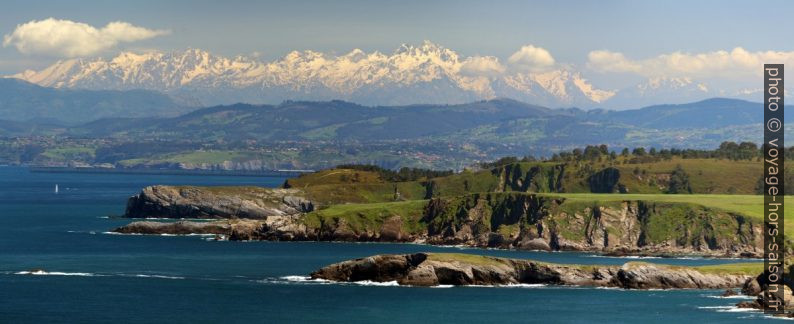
[(272, 228), (177, 228), (646, 276), (422, 269), (207, 202), (495, 220), (617, 228)]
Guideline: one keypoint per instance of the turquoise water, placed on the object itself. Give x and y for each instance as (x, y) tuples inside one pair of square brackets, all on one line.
[(96, 277)]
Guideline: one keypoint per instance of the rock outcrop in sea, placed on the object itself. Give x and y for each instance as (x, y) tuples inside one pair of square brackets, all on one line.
[(433, 269), (216, 202)]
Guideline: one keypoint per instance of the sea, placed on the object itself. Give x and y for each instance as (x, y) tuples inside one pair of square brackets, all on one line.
[(59, 263)]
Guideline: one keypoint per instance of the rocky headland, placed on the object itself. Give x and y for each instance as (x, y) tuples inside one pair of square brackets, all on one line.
[(433, 269), (216, 202), (510, 220)]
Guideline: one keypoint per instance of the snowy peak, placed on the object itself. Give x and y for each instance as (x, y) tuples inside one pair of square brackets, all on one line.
[(663, 83), (425, 73), (662, 90)]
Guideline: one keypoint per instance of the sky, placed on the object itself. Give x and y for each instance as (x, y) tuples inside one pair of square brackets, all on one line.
[(611, 41)]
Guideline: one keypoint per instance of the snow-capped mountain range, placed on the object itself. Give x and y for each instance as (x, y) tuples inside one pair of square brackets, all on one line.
[(427, 73)]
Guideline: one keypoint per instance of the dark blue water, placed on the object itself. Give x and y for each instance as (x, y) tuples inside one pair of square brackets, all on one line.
[(97, 277)]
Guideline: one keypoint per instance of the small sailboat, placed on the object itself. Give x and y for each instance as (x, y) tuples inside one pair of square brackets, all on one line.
[(56, 188)]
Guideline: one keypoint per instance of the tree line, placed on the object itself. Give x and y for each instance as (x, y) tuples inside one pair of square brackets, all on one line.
[(403, 174), (593, 153)]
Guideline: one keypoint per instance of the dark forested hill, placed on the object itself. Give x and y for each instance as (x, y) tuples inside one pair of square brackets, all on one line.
[(23, 101), (501, 121)]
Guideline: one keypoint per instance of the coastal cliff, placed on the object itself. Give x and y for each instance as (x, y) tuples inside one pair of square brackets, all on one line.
[(216, 202), (433, 269), (547, 222), (510, 220)]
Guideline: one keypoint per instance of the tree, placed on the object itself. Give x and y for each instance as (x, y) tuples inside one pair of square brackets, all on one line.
[(577, 153), (679, 182), (592, 153)]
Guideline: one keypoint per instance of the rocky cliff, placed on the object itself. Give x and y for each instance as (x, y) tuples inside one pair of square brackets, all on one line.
[(530, 178), (758, 285), (497, 220), (541, 222), (216, 202), (433, 269)]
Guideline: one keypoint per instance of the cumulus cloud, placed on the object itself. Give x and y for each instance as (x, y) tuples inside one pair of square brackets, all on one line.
[(482, 66), (66, 38), (606, 61), (736, 63), (532, 58)]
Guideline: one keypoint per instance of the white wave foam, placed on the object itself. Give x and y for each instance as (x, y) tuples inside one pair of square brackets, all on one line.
[(524, 285), (300, 279), (778, 318), (519, 285), (691, 257), (158, 276), (305, 279), (88, 274), (376, 283), (732, 297), (189, 234), (117, 233), (173, 219), (55, 273), (728, 309), (624, 257), (455, 246)]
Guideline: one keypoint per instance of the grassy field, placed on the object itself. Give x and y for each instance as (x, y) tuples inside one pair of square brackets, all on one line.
[(70, 153), (211, 157), (748, 205), (334, 176), (749, 268), (363, 217), (706, 175)]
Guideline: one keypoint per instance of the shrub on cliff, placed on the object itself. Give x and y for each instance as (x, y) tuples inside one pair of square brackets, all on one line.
[(679, 182)]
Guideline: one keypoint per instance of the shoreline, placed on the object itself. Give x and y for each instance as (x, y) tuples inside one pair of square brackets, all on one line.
[(227, 229), (457, 269)]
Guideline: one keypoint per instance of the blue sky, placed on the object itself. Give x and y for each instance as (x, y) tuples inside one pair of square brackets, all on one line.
[(570, 30)]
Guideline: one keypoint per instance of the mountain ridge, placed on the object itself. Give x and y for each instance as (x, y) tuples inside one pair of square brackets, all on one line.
[(426, 73), (22, 101), (494, 121)]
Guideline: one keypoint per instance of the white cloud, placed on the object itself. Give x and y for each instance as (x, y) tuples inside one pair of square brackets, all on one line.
[(736, 63), (606, 61), (66, 38), (482, 66), (532, 58)]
